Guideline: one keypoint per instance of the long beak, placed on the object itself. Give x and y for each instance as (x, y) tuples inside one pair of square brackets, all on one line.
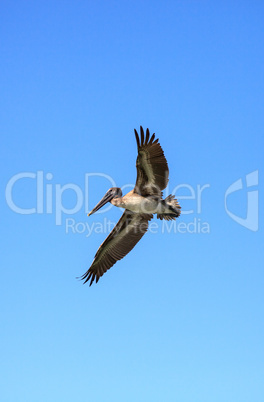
[(106, 198)]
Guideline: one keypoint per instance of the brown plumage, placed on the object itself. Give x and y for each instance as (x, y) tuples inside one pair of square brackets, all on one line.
[(123, 238), (151, 164), (139, 204)]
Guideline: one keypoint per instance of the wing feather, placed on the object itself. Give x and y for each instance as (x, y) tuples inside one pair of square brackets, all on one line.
[(126, 234), (137, 138), (151, 164), (147, 137)]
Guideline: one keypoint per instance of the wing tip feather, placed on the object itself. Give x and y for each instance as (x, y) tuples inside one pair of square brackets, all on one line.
[(142, 136), (144, 140), (152, 138), (137, 138), (147, 137)]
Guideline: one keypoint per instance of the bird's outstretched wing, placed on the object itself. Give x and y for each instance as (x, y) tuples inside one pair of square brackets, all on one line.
[(152, 167), (123, 238)]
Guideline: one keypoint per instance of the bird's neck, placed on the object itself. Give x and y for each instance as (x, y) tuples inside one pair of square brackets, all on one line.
[(117, 201)]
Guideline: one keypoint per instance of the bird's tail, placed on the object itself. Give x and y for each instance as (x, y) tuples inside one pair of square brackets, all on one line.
[(172, 208)]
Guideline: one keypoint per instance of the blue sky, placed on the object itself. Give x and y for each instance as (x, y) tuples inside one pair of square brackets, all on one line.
[(181, 317)]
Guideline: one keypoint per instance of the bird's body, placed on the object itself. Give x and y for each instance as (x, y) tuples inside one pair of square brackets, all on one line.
[(140, 204), (131, 201)]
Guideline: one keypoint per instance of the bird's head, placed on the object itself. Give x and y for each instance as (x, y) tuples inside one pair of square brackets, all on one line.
[(113, 192)]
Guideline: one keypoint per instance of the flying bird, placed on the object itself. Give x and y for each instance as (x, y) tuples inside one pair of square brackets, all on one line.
[(140, 204)]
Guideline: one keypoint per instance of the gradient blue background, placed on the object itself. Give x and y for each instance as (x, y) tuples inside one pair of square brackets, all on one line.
[(181, 317)]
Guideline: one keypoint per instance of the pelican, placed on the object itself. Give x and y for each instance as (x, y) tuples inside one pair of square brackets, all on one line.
[(140, 204)]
